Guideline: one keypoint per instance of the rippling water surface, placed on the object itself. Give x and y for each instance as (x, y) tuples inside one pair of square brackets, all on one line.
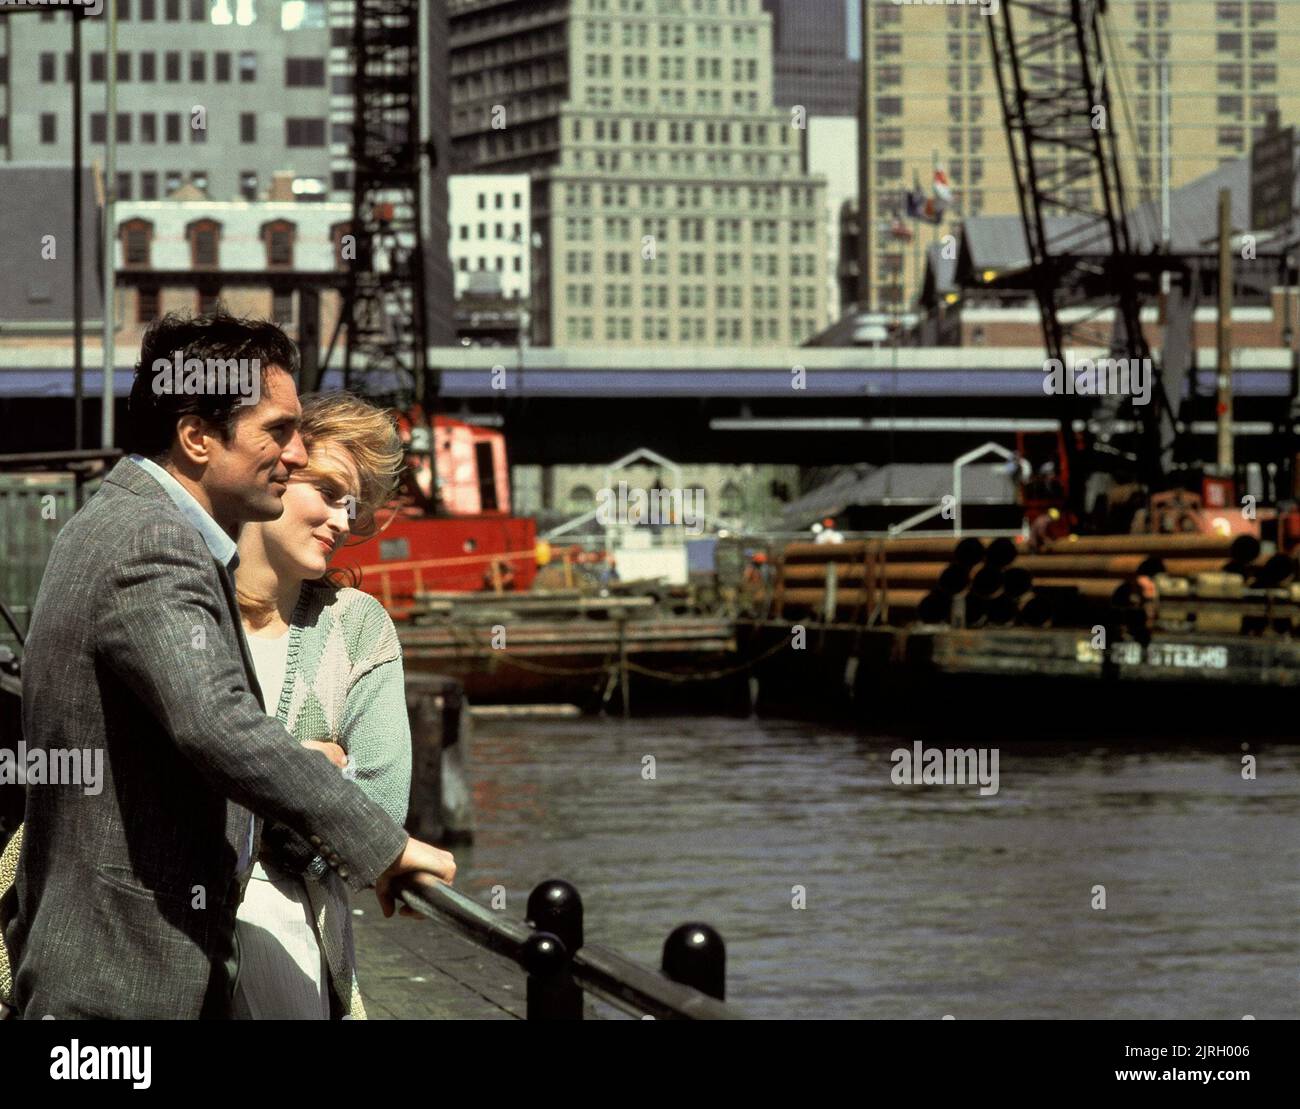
[(920, 901)]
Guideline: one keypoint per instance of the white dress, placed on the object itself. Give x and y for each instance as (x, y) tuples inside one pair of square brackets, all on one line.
[(282, 974)]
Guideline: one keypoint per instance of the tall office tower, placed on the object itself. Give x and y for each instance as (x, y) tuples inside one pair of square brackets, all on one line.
[(811, 56), (256, 70), (273, 81), (667, 192), (935, 97)]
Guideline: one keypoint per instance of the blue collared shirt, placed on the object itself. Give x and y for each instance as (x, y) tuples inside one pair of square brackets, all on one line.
[(223, 549)]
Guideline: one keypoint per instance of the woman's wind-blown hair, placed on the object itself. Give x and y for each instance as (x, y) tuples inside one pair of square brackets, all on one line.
[(369, 436)]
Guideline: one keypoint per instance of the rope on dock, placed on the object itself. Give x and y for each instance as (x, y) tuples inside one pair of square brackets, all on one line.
[(612, 665), (710, 675)]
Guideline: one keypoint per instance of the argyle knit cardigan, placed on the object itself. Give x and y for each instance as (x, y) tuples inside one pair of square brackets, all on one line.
[(343, 683)]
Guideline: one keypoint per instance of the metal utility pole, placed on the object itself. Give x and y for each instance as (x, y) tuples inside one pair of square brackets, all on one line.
[(866, 296), (1223, 406), (78, 323), (110, 235)]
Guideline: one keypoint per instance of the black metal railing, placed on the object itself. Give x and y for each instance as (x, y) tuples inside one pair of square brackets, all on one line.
[(549, 947)]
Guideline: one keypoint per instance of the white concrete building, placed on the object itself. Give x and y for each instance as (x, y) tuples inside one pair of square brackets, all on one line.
[(490, 234)]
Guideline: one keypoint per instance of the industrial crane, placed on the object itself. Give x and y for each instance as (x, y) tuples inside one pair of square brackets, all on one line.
[(1052, 76)]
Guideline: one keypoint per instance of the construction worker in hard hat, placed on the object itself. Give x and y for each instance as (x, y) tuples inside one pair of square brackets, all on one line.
[(827, 533), (1046, 527)]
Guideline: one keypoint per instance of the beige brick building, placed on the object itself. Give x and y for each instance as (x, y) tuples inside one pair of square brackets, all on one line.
[(667, 191), (934, 92)]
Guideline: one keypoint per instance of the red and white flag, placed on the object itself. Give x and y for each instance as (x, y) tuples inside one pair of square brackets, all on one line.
[(942, 189)]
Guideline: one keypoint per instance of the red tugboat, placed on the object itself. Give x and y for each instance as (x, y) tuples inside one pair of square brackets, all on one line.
[(458, 538)]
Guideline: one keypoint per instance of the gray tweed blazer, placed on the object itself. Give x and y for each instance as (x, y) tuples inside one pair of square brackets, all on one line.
[(126, 899)]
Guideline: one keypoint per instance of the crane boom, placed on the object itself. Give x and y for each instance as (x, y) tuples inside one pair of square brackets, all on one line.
[(1052, 76)]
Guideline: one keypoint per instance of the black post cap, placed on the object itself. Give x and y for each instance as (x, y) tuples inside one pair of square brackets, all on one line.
[(555, 906), (695, 955)]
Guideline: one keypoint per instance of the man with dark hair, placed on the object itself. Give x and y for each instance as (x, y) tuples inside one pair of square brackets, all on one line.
[(126, 899)]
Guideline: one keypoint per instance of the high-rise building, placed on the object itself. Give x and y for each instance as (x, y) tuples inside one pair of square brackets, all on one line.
[(667, 189), (220, 94), (226, 96), (934, 98), (811, 65)]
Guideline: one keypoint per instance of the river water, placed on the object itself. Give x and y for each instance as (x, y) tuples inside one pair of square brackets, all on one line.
[(919, 900)]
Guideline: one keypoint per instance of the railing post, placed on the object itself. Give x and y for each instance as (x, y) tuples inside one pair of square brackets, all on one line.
[(555, 913), (695, 955), (552, 993), (555, 906)]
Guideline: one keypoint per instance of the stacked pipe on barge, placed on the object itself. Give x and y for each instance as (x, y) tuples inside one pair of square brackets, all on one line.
[(1136, 581)]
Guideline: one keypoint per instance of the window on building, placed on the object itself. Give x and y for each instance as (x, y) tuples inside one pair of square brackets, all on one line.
[(1231, 75), (98, 127), (278, 237), (1262, 106), (304, 132), (147, 303), (172, 181), (123, 190), (282, 308), (198, 66), (247, 127), (199, 10), (304, 72), (49, 68), (97, 65), (123, 127), (123, 66), (248, 184), (148, 66), (247, 66), (172, 126), (203, 236), (149, 185), (209, 299), (172, 11), (148, 11), (148, 127), (136, 236), (172, 65)]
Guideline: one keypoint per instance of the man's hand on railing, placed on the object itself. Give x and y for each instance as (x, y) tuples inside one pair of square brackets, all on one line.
[(417, 858)]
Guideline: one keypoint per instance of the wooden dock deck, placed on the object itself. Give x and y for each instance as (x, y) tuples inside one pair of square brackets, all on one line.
[(421, 970)]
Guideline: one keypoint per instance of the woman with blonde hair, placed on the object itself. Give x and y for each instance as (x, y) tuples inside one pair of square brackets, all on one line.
[(329, 665)]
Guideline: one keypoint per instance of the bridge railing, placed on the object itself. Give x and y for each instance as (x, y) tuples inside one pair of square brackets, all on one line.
[(549, 946)]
